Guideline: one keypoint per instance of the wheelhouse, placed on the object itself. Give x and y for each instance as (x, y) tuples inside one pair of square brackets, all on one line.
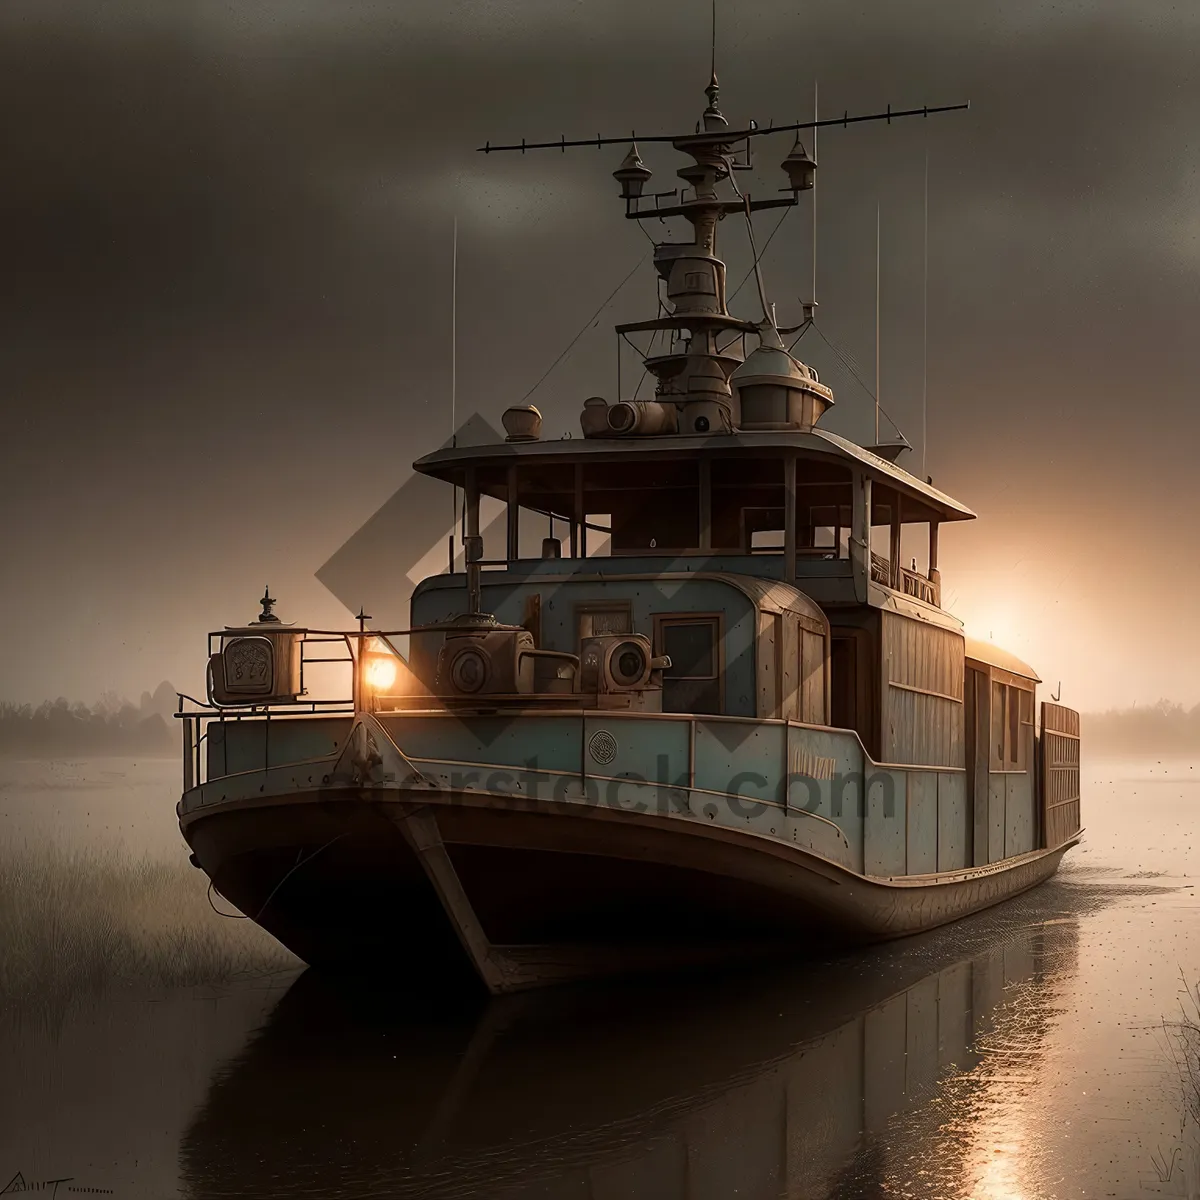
[(768, 567)]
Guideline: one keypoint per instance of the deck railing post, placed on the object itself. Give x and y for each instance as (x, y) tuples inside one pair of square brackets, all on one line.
[(579, 527), (897, 568), (188, 771), (513, 549), (472, 545), (860, 536), (789, 517), (706, 504), (577, 509), (935, 576)]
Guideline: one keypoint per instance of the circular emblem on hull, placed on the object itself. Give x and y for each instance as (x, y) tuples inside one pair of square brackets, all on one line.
[(602, 746), (469, 670)]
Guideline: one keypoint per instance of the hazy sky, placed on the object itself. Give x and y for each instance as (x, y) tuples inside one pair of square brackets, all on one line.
[(225, 232)]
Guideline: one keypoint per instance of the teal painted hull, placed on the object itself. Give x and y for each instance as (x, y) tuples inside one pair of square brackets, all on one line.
[(559, 892)]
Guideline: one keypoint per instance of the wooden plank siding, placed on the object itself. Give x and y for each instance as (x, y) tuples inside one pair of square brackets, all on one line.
[(923, 672), (792, 671), (770, 634), (814, 678), (787, 631), (1061, 817), (978, 712)]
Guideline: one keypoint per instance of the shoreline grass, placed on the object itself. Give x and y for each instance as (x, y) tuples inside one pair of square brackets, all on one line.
[(73, 923)]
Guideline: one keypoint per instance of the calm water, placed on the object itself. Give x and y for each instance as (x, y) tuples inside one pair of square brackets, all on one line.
[(1028, 1053)]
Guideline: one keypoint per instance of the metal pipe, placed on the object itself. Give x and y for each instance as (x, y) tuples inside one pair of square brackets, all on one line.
[(643, 417)]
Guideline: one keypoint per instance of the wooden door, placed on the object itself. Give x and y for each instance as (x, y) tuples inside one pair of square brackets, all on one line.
[(853, 667)]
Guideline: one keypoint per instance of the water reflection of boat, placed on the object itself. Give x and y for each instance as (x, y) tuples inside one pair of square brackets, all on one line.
[(758, 1084)]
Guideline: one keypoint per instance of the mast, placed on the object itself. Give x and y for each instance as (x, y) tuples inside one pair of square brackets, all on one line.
[(693, 391), (453, 378), (925, 328), (454, 335), (876, 324), (816, 121)]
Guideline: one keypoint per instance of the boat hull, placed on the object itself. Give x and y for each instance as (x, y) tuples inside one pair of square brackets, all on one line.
[(443, 888)]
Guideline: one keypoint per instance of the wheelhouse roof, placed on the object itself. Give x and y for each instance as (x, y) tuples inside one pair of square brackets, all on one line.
[(450, 464)]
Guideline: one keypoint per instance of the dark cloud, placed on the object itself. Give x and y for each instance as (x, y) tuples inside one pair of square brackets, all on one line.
[(226, 237)]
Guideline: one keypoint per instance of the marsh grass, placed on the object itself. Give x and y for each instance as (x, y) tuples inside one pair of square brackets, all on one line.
[(1182, 1038), (73, 923)]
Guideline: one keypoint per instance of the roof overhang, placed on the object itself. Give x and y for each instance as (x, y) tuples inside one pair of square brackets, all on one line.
[(450, 463), (993, 656)]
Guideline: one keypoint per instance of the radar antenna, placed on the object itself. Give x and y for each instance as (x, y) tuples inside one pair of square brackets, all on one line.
[(693, 393)]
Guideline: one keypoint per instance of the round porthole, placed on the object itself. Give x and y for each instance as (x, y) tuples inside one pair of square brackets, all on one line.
[(628, 664)]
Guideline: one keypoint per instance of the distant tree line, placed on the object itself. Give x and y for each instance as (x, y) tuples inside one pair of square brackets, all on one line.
[(113, 725), (1162, 728)]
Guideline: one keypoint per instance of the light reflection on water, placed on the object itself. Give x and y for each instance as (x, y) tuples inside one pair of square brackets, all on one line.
[(1020, 1054)]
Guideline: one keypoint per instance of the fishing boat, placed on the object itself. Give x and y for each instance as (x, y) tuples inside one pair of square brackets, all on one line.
[(718, 718)]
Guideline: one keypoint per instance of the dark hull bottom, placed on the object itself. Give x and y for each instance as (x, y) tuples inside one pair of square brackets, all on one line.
[(520, 899)]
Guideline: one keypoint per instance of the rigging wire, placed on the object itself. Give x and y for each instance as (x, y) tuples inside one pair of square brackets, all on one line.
[(768, 314), (587, 325), (803, 330), (300, 862), (857, 378), (643, 231), (662, 310), (227, 916), (758, 259)]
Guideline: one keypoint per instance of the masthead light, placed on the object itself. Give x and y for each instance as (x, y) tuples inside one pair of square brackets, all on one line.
[(632, 174), (801, 167)]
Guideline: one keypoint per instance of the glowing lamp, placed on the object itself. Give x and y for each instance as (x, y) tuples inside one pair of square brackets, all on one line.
[(379, 670)]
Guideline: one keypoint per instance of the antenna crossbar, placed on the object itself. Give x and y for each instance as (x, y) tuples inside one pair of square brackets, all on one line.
[(723, 136)]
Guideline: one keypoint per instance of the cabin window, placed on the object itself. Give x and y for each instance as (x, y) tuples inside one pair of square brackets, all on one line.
[(999, 695), (599, 535), (594, 619), (692, 683), (1023, 705), (1012, 715), (1014, 727), (825, 537), (762, 529)]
